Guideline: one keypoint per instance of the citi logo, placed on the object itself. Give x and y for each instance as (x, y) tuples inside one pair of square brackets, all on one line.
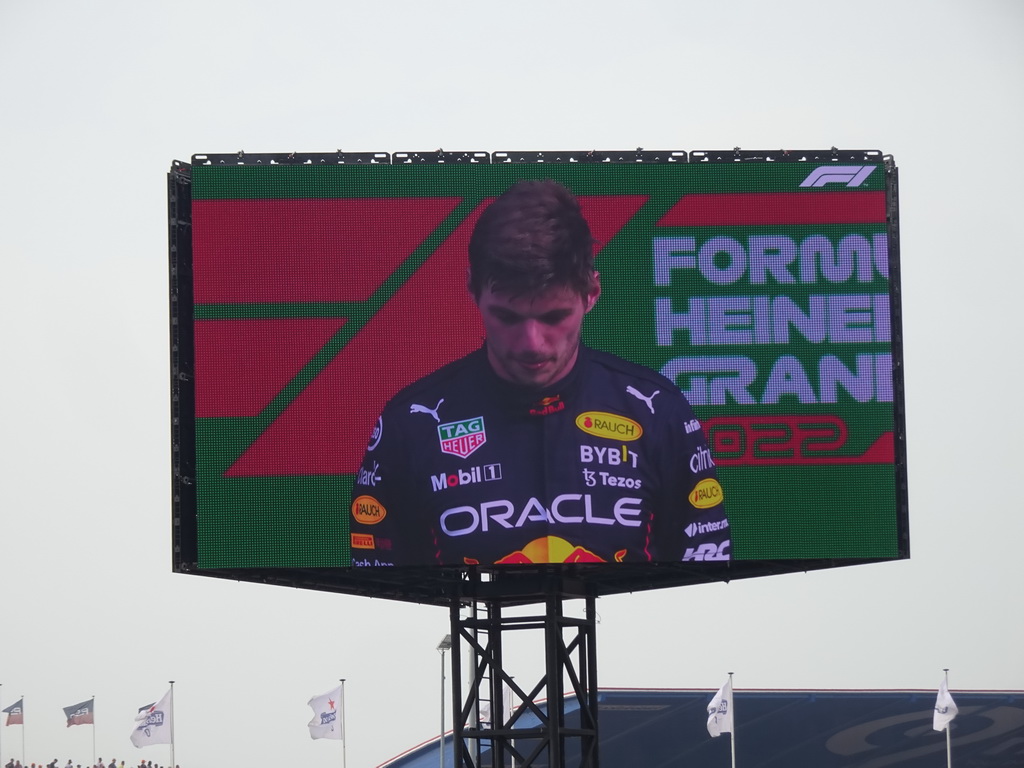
[(851, 175), (701, 460)]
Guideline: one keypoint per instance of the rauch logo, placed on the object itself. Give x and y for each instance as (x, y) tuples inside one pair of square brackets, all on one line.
[(610, 425), (707, 493), (368, 511)]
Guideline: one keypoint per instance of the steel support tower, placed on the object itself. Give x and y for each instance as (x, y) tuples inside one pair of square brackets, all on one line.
[(554, 722)]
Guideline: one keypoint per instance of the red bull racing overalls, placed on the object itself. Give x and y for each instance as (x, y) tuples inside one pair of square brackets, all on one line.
[(608, 465)]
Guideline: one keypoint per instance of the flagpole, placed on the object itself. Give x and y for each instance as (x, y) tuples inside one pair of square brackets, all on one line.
[(949, 740), (172, 725), (732, 734), (344, 727)]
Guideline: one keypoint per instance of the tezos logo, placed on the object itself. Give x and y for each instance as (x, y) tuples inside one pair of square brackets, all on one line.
[(461, 438), (610, 425), (707, 493), (591, 477), (368, 511)]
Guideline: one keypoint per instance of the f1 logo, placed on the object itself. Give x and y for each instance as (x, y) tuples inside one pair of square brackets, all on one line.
[(851, 175)]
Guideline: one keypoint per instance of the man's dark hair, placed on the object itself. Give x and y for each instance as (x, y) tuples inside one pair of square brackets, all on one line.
[(531, 238)]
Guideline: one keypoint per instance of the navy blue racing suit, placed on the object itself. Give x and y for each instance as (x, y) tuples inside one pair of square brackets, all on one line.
[(607, 465)]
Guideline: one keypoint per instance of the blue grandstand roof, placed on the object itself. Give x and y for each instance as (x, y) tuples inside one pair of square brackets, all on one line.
[(792, 729)]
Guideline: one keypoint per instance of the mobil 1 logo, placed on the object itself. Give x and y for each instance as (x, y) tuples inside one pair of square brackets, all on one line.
[(479, 474)]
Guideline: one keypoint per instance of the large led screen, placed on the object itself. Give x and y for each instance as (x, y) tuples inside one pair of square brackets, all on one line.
[(766, 293)]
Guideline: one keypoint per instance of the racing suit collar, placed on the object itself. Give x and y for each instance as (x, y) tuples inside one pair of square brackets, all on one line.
[(528, 398)]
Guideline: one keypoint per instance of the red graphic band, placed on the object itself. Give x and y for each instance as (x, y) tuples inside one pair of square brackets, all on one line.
[(789, 439), (776, 208), (256, 251), (318, 433)]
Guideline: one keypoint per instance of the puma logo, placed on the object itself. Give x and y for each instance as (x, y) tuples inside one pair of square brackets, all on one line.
[(635, 393), (416, 408)]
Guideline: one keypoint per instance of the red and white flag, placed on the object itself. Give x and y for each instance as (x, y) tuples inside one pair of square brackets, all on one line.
[(80, 714), (16, 713)]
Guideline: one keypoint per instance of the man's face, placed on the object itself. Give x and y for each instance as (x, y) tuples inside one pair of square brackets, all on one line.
[(533, 340)]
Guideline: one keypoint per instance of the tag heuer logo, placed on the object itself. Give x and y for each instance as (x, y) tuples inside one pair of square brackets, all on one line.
[(461, 438)]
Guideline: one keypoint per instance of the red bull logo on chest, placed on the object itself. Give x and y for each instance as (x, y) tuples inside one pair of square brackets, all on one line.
[(461, 438)]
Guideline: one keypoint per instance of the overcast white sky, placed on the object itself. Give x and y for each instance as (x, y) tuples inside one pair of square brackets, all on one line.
[(97, 99)]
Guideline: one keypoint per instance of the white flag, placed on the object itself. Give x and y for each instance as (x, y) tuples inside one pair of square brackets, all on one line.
[(720, 711), (506, 703), (326, 722), (945, 709), (153, 723)]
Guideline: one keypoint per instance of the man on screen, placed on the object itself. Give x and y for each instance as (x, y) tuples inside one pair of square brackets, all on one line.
[(535, 448)]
